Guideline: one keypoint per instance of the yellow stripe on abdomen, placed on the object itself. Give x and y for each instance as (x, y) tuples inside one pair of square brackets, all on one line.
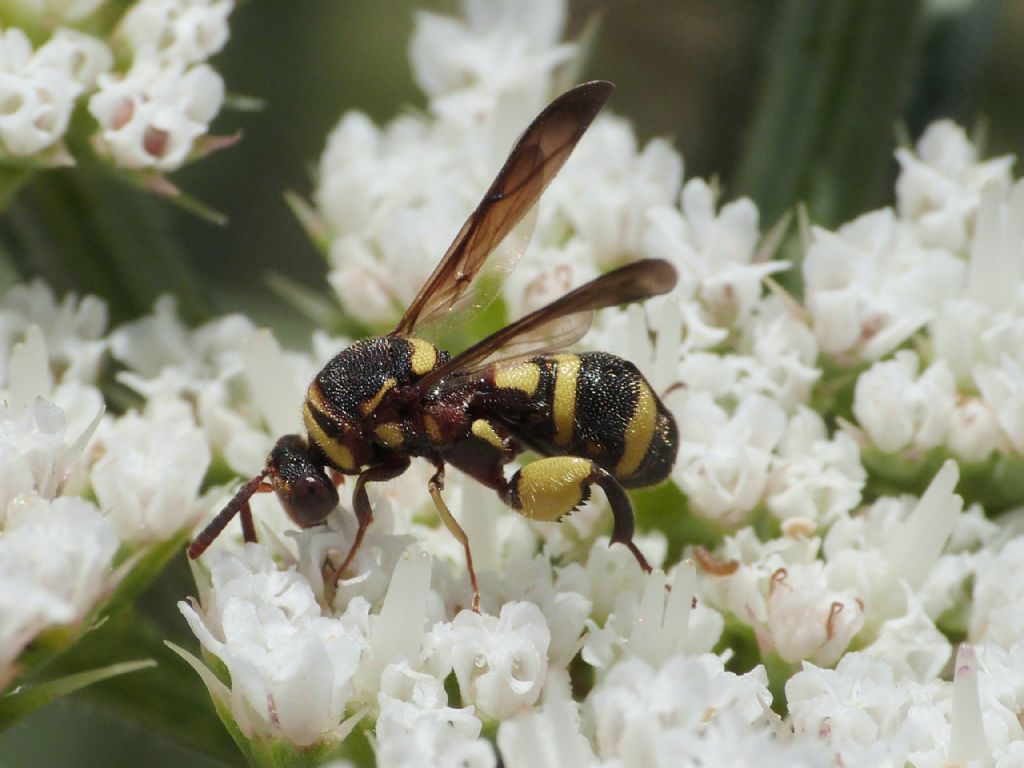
[(567, 372), (522, 376), (639, 431)]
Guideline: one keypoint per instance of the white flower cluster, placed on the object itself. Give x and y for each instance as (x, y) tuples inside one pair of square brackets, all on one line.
[(902, 308), (392, 198), (913, 315), (931, 297), (84, 495), (146, 80)]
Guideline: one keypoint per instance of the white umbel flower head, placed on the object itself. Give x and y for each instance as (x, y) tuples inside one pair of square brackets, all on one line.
[(500, 661), (291, 667), (55, 560), (863, 714), (900, 408), (724, 461), (37, 94), (497, 50), (149, 472), (151, 116), (411, 736), (940, 184), (184, 30), (872, 284), (73, 328), (645, 716)]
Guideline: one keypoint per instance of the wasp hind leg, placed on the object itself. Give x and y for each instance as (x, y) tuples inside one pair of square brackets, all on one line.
[(550, 488), (435, 486)]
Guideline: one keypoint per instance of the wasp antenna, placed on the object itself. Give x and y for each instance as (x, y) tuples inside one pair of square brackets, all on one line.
[(213, 530)]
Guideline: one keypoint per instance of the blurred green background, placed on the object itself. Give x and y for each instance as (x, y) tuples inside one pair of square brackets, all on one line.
[(771, 97)]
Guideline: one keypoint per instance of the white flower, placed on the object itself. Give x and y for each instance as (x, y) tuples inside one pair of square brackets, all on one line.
[(892, 542), (713, 250), (410, 736), (548, 737), (1002, 389), (900, 408), (911, 644), (655, 624), (178, 30), (738, 578), (1000, 693), (73, 328), (781, 354), (245, 391), (149, 471), (984, 322), (291, 668), (151, 116), (939, 186), (393, 199), (815, 479), (547, 272), (863, 714), (997, 607), (55, 559), (75, 53), (871, 285), (805, 619), (37, 97), (499, 50), (32, 446), (974, 431), (607, 189), (500, 662), (723, 461), (639, 713)]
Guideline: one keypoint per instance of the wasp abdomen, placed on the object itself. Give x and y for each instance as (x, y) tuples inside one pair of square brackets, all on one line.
[(593, 405)]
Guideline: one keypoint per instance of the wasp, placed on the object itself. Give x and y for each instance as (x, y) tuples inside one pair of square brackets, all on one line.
[(591, 416)]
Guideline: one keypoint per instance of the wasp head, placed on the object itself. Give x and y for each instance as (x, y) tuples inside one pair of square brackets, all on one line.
[(305, 491)]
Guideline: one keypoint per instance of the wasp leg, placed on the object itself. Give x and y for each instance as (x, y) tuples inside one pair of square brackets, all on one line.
[(391, 469), (546, 489), (549, 489), (435, 486)]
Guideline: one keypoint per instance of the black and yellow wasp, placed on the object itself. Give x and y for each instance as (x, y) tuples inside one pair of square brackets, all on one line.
[(592, 416)]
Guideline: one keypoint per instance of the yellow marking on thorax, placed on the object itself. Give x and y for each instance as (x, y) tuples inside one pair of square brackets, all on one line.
[(371, 405), (521, 376), (336, 450), (424, 357), (483, 429), (639, 431), (564, 405), (432, 427), (316, 398), (390, 435)]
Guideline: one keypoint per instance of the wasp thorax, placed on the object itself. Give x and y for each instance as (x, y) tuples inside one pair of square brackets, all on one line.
[(305, 491)]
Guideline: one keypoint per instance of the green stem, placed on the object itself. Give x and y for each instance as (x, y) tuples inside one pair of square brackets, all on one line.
[(824, 128)]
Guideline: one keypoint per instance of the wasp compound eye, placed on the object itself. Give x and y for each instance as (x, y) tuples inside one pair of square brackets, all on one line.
[(306, 493), (309, 499)]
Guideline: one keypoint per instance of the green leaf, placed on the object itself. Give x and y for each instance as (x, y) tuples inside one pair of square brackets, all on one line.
[(83, 231), (24, 699)]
